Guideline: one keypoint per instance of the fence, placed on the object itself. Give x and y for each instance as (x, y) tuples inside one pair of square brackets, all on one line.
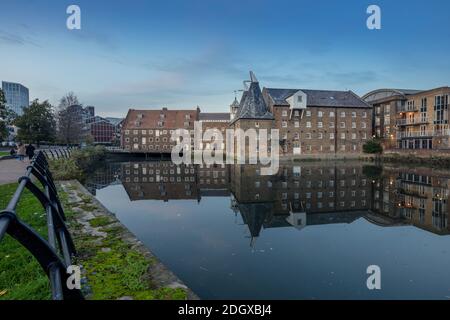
[(55, 254), (57, 153)]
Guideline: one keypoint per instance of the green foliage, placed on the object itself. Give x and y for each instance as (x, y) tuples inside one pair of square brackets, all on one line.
[(65, 169), (3, 114), (37, 123), (373, 147), (80, 162), (87, 158), (20, 274)]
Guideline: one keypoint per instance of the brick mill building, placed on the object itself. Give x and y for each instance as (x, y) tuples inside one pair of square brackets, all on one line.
[(319, 122), (149, 131)]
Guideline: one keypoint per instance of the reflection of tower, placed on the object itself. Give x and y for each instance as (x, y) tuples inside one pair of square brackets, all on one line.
[(254, 215)]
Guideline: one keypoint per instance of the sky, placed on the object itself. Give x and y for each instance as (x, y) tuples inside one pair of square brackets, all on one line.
[(182, 54)]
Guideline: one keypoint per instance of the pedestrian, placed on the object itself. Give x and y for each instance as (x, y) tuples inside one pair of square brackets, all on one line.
[(29, 150), (13, 151), (21, 151)]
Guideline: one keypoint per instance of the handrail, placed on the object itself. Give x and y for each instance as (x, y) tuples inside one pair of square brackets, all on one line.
[(58, 153), (55, 254)]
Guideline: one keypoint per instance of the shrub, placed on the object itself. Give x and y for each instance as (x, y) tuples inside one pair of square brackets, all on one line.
[(86, 158), (373, 147)]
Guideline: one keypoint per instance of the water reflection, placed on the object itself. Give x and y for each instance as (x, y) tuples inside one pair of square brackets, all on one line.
[(300, 195)]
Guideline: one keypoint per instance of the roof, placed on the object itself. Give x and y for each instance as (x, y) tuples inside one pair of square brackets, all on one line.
[(318, 98), (383, 94), (252, 104), (223, 116), (173, 119)]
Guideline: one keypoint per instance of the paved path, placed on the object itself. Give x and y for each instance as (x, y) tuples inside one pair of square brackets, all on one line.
[(11, 170)]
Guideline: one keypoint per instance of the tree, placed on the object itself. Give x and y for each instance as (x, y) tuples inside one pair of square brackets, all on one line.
[(3, 116), (37, 123), (69, 124), (373, 146)]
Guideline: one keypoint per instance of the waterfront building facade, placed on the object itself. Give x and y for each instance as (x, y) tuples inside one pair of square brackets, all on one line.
[(319, 122), (412, 120), (149, 131), (17, 96)]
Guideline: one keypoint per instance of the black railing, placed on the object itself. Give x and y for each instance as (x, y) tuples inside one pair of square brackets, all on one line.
[(55, 254), (58, 153)]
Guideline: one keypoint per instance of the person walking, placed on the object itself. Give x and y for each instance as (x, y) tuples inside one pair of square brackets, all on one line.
[(21, 151), (29, 150)]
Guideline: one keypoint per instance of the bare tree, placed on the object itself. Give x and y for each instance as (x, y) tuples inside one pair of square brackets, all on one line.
[(69, 119)]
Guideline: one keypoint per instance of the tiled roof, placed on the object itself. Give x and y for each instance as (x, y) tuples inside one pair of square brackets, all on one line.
[(252, 104), (205, 116), (318, 98), (173, 119)]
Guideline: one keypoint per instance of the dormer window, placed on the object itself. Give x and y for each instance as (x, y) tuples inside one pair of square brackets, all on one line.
[(161, 116), (299, 98), (188, 116), (140, 115), (160, 123)]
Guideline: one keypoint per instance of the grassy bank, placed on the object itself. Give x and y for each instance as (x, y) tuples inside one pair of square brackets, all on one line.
[(21, 277), (112, 267)]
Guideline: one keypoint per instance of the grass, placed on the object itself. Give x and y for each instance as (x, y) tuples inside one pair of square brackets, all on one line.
[(113, 268), (21, 277), (4, 153)]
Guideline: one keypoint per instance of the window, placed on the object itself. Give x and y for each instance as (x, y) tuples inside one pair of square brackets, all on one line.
[(299, 98), (308, 136), (331, 114), (284, 113), (364, 114), (308, 124), (135, 132), (320, 135), (320, 114), (296, 113), (127, 131), (320, 124), (257, 124), (284, 124), (332, 136), (308, 113), (296, 124), (353, 125), (343, 114), (144, 131), (363, 125), (354, 136), (331, 124), (343, 135), (353, 114), (343, 125)]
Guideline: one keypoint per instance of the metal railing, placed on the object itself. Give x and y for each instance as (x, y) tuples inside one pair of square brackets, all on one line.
[(414, 121), (58, 153), (55, 254), (423, 134)]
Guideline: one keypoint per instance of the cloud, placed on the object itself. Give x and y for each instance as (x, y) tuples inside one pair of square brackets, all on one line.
[(9, 38)]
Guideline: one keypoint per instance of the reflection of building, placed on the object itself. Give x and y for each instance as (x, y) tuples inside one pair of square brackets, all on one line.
[(411, 119), (17, 96), (300, 195), (415, 196)]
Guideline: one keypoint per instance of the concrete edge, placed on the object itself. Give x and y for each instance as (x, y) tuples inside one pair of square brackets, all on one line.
[(160, 274)]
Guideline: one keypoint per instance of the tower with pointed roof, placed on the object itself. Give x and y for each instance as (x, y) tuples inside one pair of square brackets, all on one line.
[(252, 112)]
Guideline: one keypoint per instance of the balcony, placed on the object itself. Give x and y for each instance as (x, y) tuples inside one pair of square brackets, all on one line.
[(423, 134), (407, 109), (411, 122)]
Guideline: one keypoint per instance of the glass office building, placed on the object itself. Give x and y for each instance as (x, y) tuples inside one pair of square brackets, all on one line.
[(17, 96)]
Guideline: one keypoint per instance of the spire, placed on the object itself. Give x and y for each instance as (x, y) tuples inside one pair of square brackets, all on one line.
[(253, 77)]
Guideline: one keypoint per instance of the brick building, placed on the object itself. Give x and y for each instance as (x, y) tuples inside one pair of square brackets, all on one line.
[(411, 119), (149, 131), (319, 122)]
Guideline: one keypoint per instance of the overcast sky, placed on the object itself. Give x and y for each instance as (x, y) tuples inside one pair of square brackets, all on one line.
[(180, 54)]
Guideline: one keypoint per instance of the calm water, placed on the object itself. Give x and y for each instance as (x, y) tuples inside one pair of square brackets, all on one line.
[(310, 232)]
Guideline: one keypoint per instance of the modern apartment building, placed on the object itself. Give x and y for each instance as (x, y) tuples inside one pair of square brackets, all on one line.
[(17, 96), (411, 119)]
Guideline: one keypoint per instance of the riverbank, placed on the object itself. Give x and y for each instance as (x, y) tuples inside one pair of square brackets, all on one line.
[(115, 264)]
